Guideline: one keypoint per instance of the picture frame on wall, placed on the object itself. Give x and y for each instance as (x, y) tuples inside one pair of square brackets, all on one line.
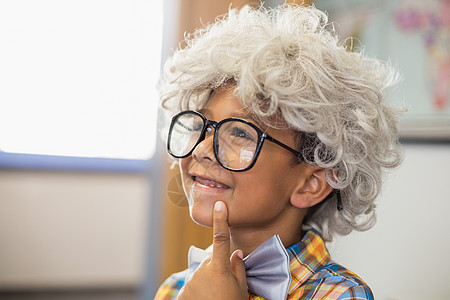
[(415, 37)]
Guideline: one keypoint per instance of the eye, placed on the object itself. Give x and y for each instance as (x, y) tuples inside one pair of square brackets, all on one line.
[(180, 126), (197, 126), (241, 133)]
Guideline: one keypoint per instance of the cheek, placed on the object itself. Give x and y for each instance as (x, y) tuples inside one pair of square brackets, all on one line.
[(262, 193), (183, 166), (270, 180)]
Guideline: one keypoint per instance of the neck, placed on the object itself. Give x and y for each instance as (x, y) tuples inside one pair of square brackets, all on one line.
[(248, 239)]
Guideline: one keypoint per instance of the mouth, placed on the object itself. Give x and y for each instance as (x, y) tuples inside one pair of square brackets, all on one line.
[(208, 183)]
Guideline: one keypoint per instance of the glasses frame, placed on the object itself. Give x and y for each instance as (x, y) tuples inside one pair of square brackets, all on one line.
[(262, 136)]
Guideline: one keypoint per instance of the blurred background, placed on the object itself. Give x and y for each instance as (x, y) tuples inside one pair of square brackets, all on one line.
[(89, 208)]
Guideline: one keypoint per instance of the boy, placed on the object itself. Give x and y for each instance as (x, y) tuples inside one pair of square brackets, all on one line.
[(281, 135)]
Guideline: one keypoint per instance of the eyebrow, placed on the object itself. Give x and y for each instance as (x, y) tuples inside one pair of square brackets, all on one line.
[(204, 111)]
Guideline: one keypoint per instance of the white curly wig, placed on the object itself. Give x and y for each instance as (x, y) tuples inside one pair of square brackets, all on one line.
[(287, 62)]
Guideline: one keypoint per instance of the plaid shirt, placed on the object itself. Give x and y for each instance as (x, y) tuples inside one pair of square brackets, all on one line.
[(314, 275)]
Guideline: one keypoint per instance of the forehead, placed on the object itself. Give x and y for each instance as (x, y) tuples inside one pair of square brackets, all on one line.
[(224, 104)]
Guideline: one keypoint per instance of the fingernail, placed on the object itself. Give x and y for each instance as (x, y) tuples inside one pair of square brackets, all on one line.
[(240, 254), (218, 206)]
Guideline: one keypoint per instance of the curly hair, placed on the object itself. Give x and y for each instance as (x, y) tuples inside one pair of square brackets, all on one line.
[(288, 62)]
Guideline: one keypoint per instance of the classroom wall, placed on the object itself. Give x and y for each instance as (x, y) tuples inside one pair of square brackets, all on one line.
[(71, 230), (405, 256)]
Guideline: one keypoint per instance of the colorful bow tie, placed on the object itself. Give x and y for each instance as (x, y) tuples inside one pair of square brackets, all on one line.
[(267, 268)]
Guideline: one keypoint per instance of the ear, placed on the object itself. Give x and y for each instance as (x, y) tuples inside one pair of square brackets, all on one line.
[(311, 189)]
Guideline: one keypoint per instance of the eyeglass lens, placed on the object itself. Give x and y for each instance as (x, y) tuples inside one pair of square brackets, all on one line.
[(236, 142), (185, 132)]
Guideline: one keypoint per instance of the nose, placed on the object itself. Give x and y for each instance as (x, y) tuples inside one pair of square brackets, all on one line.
[(204, 150)]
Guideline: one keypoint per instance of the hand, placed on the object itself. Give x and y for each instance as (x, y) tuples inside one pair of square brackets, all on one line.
[(221, 276)]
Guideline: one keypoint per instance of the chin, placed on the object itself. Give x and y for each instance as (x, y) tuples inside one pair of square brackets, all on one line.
[(201, 215)]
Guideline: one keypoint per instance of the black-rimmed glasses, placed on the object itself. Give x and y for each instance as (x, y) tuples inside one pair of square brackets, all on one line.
[(236, 142)]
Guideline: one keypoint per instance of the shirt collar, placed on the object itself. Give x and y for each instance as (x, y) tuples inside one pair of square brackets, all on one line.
[(306, 258)]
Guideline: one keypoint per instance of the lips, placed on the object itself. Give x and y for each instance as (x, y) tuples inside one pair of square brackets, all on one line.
[(208, 182)]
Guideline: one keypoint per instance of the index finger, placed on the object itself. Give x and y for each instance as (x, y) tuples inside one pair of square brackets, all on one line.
[(221, 235)]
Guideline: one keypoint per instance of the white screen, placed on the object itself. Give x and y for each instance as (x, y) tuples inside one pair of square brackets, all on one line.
[(78, 78)]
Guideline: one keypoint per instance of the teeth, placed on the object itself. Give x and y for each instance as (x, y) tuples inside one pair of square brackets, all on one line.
[(209, 183)]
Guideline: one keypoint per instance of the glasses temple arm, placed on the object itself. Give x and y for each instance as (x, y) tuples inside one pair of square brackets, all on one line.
[(273, 140)]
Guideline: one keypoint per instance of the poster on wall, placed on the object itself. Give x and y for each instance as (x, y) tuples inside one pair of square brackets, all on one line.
[(415, 36)]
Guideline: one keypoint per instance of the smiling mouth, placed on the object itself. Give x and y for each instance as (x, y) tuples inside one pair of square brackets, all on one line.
[(209, 183)]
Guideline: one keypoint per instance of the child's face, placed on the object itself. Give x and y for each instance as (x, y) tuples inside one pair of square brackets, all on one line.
[(258, 197)]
